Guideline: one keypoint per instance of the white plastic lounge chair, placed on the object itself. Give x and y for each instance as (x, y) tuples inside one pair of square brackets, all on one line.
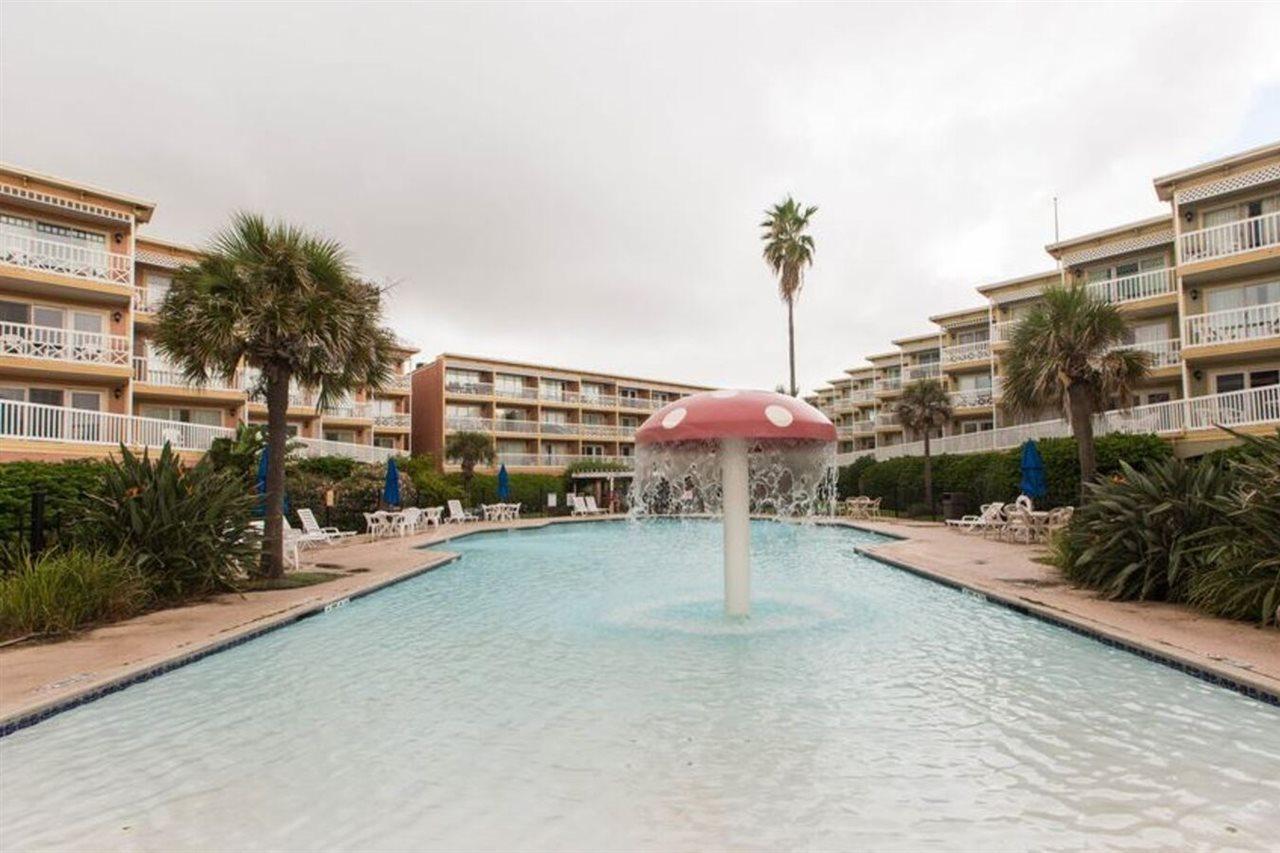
[(988, 516), (579, 506), (303, 537), (290, 541), (312, 528), (592, 509), (458, 515)]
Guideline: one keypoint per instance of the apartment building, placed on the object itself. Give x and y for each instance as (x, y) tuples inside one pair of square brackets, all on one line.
[(1199, 287), (79, 371), (539, 417)]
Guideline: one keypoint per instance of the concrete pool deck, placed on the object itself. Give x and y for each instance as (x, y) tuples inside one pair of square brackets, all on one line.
[(39, 678)]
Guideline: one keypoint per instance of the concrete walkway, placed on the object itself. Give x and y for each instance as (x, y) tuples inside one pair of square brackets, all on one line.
[(37, 676)]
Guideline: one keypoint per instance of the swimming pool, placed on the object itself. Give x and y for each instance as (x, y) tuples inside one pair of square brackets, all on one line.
[(577, 687)]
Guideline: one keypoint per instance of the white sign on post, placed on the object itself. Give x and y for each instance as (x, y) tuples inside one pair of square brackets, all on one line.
[(551, 500)]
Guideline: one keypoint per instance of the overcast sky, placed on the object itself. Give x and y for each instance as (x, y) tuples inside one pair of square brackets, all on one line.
[(581, 185)]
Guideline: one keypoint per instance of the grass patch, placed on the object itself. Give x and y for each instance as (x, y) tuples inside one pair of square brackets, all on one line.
[(293, 580)]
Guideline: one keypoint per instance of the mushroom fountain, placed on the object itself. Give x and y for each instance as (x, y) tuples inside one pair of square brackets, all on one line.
[(729, 453)]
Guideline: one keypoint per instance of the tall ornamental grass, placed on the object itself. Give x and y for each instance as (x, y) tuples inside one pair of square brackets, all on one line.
[(65, 590)]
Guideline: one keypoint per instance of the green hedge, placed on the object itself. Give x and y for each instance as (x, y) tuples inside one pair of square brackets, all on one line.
[(64, 483), (987, 477)]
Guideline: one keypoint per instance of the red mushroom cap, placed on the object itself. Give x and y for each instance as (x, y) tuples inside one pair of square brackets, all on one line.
[(735, 414)]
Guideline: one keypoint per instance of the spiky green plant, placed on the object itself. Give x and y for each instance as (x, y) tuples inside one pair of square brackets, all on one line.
[(787, 251), (1242, 551), (273, 297), (1137, 537), (925, 407), (1064, 354), (66, 589), (186, 529)]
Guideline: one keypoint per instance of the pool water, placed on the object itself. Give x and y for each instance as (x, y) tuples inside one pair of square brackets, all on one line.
[(577, 687)]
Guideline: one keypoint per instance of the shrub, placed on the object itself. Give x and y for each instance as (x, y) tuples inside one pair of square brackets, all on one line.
[(356, 493), (430, 487), (64, 483), (238, 454), (1205, 532), (527, 489), (849, 477), (330, 467), (64, 590), (186, 529), (994, 476)]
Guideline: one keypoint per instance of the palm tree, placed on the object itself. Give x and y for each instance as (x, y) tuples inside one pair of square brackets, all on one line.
[(1065, 353), (470, 449), (271, 297), (787, 251), (925, 406)]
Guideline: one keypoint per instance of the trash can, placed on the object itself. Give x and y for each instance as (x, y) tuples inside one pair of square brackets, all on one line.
[(954, 504)]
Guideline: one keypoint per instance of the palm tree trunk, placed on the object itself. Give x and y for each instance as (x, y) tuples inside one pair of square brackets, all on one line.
[(1082, 429), (272, 563), (928, 473), (791, 342)]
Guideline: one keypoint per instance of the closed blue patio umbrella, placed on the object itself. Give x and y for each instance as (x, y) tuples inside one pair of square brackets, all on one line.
[(391, 491), (1034, 484), (504, 483), (261, 509)]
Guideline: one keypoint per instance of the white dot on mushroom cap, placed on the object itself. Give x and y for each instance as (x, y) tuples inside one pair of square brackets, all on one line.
[(723, 393), (672, 419), (779, 416)]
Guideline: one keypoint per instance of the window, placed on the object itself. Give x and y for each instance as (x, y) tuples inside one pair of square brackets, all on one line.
[(455, 410), (204, 417), (974, 381), (461, 378), (1242, 296), (1227, 382), (971, 427), (384, 441), (15, 312), (345, 436), (1147, 333), (594, 419), (509, 386), (553, 389), (505, 413), (45, 396), (973, 336), (157, 288), (592, 391), (555, 416), (626, 450), (593, 450)]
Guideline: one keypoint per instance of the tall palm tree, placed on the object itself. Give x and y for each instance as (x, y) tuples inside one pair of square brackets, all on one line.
[(787, 251), (272, 297), (925, 406), (1064, 354), (470, 449)]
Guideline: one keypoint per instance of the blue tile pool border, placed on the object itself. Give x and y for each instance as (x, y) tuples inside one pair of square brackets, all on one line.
[(1219, 679)]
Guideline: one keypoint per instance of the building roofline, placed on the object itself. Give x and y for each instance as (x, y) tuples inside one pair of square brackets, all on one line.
[(854, 371), (1163, 219), (890, 354), (143, 208), (950, 315), (914, 339), (1024, 279), (1163, 183), (596, 373), (169, 244)]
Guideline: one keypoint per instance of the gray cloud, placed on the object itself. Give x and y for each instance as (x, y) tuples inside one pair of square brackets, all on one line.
[(581, 184)]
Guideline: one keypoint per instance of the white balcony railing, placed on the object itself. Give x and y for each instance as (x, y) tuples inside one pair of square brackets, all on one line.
[(1002, 331), (889, 383), (157, 373), (1222, 241), (345, 409), (600, 401), (1251, 407), (1143, 285), (887, 419), (45, 342), (971, 397), (469, 389), (863, 427), (37, 422), (929, 370), (392, 419), (516, 392), (862, 395), (358, 452), (1236, 324), (399, 382), (1166, 353), (148, 301), (20, 248), (976, 351), (556, 460)]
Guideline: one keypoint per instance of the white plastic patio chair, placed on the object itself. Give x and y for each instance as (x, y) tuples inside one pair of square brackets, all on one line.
[(431, 515), (312, 527), (409, 520), (377, 523), (592, 509), (988, 516)]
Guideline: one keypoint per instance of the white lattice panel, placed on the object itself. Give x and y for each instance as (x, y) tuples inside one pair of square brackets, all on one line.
[(1229, 184), (1117, 247), (157, 259), (30, 195)]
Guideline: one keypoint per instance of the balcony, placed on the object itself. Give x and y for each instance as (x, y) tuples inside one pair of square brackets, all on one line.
[(359, 452), (888, 384), (399, 382), (599, 401), (1254, 323), (20, 248), (971, 398), (1002, 331), (516, 392), (929, 370), (47, 343), (148, 301), (1129, 288), (1234, 238), (887, 420), (1166, 353), (976, 351), (157, 373), (392, 420), (557, 460), (469, 389), (346, 410), (641, 403)]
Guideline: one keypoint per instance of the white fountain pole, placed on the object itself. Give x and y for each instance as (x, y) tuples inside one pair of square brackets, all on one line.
[(734, 482)]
